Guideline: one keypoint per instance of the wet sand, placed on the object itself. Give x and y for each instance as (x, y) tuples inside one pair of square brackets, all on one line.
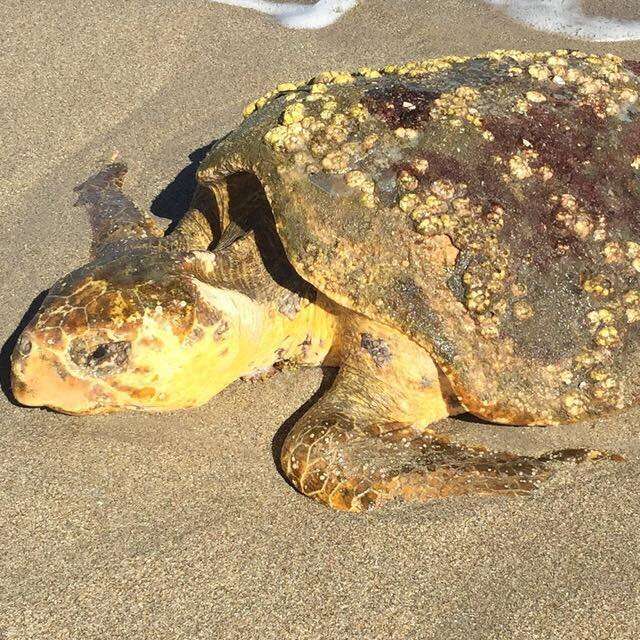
[(620, 11), (179, 525)]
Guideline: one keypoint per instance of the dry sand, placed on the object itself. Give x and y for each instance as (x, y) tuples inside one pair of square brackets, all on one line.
[(178, 525)]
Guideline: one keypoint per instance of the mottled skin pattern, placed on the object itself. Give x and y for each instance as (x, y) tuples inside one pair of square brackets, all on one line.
[(453, 234)]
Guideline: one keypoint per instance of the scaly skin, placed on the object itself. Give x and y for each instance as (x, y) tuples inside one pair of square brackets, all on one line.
[(103, 343)]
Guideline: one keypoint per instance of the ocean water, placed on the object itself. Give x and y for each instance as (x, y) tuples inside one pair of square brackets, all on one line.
[(564, 17)]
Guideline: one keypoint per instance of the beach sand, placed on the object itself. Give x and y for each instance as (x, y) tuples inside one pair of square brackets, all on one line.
[(178, 525)]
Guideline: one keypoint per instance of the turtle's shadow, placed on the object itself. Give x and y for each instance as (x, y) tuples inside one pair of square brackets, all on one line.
[(10, 343), (173, 201), (328, 376), (473, 419)]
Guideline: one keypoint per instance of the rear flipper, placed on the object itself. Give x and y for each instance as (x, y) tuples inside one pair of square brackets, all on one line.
[(113, 215)]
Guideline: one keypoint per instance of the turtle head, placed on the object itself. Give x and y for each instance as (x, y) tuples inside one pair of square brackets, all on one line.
[(134, 331)]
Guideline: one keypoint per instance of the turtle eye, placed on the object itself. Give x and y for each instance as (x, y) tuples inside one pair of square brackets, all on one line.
[(24, 346)]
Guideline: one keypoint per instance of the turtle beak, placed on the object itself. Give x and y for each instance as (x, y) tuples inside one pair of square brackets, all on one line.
[(39, 380)]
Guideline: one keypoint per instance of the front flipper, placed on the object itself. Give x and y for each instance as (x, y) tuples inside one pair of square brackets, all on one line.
[(114, 218), (353, 465), (366, 441)]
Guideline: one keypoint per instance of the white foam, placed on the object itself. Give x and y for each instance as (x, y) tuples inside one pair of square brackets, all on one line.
[(565, 17), (568, 18), (298, 16)]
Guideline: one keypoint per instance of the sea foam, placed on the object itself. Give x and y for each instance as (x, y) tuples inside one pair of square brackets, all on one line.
[(298, 16), (568, 18), (564, 17)]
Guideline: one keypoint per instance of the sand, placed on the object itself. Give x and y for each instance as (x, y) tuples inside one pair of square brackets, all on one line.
[(179, 525)]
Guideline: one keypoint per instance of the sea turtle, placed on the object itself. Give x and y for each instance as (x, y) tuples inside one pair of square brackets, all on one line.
[(457, 234)]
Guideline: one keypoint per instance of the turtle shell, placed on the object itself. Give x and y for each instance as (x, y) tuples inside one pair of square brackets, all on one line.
[(488, 208)]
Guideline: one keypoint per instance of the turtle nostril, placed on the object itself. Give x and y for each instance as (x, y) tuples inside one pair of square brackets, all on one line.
[(24, 346)]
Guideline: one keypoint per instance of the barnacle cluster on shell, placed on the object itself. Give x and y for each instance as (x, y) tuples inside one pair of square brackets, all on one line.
[(320, 135), (573, 217), (410, 69), (619, 253), (604, 387), (575, 404), (602, 324), (598, 286), (593, 80), (594, 382), (631, 301), (444, 207), (456, 107), (519, 164), (364, 184)]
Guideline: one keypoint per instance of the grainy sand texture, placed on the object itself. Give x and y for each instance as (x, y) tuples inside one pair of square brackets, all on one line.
[(178, 526)]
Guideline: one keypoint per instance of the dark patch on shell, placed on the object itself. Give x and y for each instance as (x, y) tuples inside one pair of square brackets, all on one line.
[(444, 166), (400, 105), (563, 134), (377, 348), (633, 66)]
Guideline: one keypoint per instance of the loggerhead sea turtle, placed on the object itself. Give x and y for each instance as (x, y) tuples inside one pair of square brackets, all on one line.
[(457, 234)]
